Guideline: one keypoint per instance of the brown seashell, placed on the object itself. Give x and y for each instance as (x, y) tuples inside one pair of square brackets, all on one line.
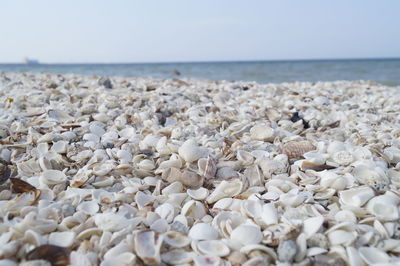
[(57, 256), (5, 172), (20, 186), (315, 167), (296, 149)]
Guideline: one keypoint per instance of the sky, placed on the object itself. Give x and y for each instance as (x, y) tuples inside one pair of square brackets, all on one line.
[(130, 31)]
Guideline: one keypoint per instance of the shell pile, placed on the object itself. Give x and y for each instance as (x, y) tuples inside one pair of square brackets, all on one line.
[(100, 171)]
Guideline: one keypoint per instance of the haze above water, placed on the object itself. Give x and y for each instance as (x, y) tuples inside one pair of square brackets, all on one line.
[(386, 71)]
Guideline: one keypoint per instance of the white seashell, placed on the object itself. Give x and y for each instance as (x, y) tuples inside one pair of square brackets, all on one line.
[(147, 245), (143, 199), (62, 239), (384, 207), (88, 207), (166, 211), (31, 237), (247, 234), (198, 194), (191, 152), (207, 167), (341, 237), (269, 214), (177, 256), (262, 132), (96, 130), (207, 261), (315, 157), (245, 157), (125, 258), (373, 256), (146, 165), (287, 250), (225, 189), (59, 146), (88, 233), (213, 248), (110, 221), (342, 157), (124, 156), (160, 226), (52, 177), (345, 216), (203, 231), (312, 225), (356, 196), (174, 187), (354, 257), (393, 153), (176, 239)]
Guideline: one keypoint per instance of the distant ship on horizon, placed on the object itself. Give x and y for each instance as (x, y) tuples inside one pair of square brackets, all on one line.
[(31, 61)]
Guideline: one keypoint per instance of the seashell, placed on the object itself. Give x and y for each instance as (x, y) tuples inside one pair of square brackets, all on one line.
[(52, 177), (88, 233), (262, 132), (332, 180), (147, 245), (175, 187), (88, 207), (177, 256), (245, 157), (176, 239), (146, 165), (125, 258), (198, 194), (207, 167), (354, 257), (345, 216), (166, 211), (312, 225), (375, 178), (356, 196), (247, 234), (20, 186), (62, 239), (191, 152), (269, 214), (54, 254), (59, 147), (342, 157), (287, 250), (384, 207), (203, 231), (341, 237), (207, 261), (236, 258), (225, 189), (372, 255), (110, 221), (213, 248), (188, 178), (296, 149)]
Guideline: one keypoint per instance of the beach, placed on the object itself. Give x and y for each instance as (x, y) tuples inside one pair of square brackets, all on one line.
[(106, 170)]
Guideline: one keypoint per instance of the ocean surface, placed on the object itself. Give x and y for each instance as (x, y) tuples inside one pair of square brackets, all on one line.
[(386, 71)]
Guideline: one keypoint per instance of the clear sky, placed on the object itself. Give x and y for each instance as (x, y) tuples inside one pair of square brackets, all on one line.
[(110, 31)]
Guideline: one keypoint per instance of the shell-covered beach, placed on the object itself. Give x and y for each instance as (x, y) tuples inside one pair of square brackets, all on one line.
[(138, 171)]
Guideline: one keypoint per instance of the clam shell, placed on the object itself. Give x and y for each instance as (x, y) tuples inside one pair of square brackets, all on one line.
[(247, 234), (176, 239), (147, 245), (224, 190), (110, 221), (198, 194), (203, 231), (62, 239), (52, 177), (384, 207), (356, 196), (213, 248), (191, 152)]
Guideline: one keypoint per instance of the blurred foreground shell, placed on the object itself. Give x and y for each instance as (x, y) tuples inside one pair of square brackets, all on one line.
[(57, 256)]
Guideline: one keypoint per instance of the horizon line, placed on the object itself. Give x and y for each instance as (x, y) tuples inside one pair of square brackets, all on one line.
[(200, 62)]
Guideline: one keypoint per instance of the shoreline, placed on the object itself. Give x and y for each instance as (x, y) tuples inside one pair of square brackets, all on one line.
[(144, 170)]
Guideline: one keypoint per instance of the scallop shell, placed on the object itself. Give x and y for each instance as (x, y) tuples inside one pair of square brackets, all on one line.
[(296, 149)]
